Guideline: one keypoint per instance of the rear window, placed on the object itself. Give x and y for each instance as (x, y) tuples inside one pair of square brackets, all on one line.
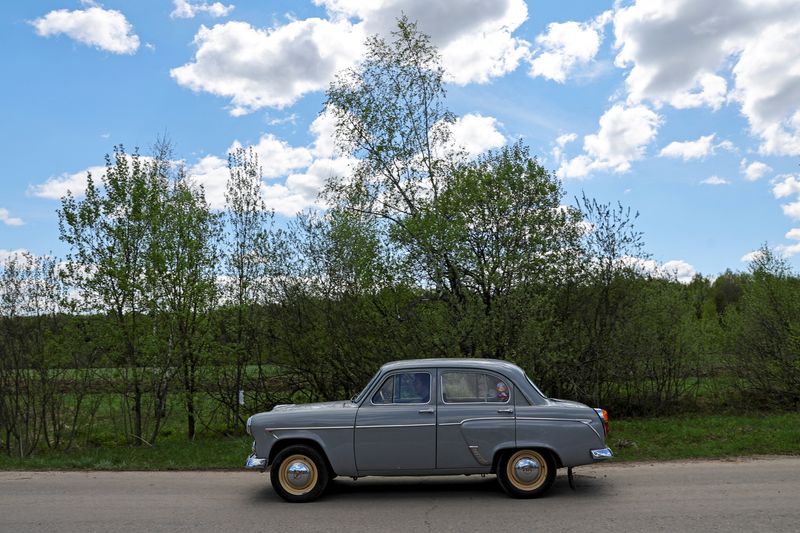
[(474, 387)]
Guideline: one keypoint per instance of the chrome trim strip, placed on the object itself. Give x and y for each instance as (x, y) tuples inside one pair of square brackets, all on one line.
[(478, 418), (589, 423), (396, 426), (602, 453), (270, 430), (477, 455), (582, 420)]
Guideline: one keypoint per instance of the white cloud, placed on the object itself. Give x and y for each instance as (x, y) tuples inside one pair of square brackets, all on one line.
[(754, 170), (625, 132), (186, 10), (675, 269), (683, 52), (7, 219), (476, 133), (689, 149), (277, 157), (305, 169), (792, 210), (789, 250), (7, 255), (259, 68), (787, 186), (715, 180), (561, 142), (105, 29), (749, 257), (57, 186), (566, 45), (268, 68), (680, 270), (211, 172), (709, 90), (474, 36)]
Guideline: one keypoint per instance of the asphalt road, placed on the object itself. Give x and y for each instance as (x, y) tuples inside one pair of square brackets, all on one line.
[(742, 495)]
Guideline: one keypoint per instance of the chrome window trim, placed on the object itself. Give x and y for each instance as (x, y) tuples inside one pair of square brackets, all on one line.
[(473, 371), (392, 375)]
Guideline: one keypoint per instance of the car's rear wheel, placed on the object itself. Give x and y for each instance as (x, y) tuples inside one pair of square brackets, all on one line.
[(526, 473), (299, 474)]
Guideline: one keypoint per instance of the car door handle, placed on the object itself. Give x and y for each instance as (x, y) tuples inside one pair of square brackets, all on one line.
[(426, 411), (506, 411)]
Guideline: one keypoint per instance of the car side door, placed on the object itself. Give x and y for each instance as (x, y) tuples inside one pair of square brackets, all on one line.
[(396, 424), (475, 418)]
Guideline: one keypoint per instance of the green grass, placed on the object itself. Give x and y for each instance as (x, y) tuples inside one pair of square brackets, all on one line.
[(705, 436), (168, 454), (684, 437)]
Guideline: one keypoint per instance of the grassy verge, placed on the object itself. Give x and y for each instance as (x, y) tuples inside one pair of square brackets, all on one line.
[(168, 454), (705, 436), (701, 436)]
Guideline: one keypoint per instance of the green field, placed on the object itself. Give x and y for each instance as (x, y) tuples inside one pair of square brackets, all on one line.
[(684, 437)]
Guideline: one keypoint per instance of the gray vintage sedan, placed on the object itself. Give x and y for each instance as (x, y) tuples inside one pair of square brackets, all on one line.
[(430, 417)]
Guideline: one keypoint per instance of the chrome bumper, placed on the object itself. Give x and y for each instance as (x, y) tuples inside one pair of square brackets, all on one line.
[(601, 454), (255, 463)]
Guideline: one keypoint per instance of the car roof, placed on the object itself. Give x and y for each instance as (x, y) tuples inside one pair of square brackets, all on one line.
[(462, 362)]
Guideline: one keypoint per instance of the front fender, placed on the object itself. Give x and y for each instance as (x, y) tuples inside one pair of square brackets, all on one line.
[(335, 443)]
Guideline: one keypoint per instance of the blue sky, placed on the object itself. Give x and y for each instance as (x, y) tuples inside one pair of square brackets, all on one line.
[(687, 111)]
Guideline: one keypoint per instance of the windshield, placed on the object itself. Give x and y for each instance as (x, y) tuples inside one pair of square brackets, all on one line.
[(357, 398)]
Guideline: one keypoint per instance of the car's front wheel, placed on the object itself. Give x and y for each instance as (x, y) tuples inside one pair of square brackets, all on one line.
[(526, 473), (299, 474)]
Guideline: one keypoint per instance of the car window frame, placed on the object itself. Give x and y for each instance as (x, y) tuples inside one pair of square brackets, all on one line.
[(404, 371), (509, 383)]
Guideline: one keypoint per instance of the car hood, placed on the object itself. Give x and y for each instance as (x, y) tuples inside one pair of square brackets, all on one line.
[(313, 406)]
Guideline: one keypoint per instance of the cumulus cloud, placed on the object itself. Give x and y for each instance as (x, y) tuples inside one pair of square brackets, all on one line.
[(258, 68), (754, 170), (8, 220), (790, 250), (105, 29), (186, 10), (754, 44), (566, 45), (715, 180), (792, 210), (8, 255), (689, 149), (211, 173), (749, 257), (305, 169), (476, 133), (55, 187), (675, 269), (625, 132), (786, 185)]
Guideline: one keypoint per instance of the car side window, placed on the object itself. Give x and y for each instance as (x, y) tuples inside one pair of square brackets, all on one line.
[(404, 387), (473, 387)]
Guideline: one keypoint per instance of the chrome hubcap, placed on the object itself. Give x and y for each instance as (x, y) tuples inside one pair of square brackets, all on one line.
[(298, 474), (526, 469)]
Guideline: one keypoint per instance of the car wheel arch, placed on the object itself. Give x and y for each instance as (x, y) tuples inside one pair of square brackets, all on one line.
[(282, 444), (499, 454)]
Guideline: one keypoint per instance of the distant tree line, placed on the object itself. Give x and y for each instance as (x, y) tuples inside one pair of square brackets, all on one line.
[(165, 310)]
